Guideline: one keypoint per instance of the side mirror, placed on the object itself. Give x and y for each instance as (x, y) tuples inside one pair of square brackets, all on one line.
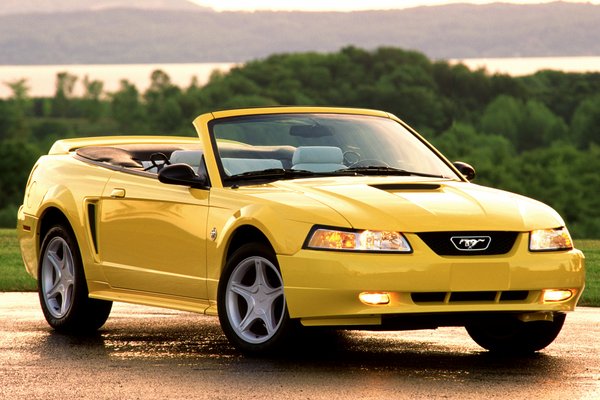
[(182, 174), (465, 169)]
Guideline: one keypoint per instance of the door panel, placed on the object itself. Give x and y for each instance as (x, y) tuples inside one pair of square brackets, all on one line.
[(152, 236)]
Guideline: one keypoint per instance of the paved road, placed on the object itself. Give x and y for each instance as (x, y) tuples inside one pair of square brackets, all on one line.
[(149, 353)]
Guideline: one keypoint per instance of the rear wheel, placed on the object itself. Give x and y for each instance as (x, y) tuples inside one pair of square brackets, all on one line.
[(515, 336), (62, 287), (251, 301)]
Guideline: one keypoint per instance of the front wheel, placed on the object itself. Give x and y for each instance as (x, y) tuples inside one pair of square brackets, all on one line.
[(62, 287), (513, 336), (251, 301)]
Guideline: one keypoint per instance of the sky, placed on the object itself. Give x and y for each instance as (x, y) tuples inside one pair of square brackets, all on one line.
[(347, 5)]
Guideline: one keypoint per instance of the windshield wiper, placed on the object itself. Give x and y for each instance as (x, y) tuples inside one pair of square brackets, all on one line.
[(272, 174), (383, 170), (279, 173)]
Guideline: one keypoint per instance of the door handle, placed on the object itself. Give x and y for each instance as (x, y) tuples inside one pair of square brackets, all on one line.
[(117, 193)]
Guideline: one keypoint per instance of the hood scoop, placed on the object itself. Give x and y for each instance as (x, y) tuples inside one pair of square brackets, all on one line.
[(394, 187)]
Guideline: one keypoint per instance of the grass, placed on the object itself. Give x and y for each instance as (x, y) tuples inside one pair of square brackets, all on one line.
[(591, 294), (13, 277)]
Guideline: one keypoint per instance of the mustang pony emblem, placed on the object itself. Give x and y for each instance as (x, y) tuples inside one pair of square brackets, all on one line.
[(471, 243)]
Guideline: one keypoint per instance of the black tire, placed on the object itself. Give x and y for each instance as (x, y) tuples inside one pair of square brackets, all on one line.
[(251, 302), (512, 336), (62, 287)]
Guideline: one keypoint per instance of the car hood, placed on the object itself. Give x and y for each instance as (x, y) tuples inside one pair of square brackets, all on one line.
[(417, 205)]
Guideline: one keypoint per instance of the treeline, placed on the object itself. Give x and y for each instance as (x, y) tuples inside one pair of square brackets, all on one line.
[(536, 135)]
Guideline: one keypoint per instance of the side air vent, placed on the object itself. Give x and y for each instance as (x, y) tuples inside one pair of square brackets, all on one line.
[(91, 211)]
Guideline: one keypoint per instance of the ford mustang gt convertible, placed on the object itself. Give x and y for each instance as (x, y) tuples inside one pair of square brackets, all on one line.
[(281, 218)]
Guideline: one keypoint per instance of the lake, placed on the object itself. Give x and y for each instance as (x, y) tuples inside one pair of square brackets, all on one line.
[(530, 65), (42, 78)]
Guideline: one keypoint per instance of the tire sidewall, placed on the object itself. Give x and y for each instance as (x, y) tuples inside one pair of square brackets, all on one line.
[(80, 292)]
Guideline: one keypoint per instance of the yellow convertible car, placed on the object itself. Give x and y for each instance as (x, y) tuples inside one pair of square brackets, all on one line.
[(281, 218)]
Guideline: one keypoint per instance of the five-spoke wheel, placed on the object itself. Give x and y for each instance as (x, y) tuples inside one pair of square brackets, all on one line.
[(62, 287), (251, 300), (57, 277)]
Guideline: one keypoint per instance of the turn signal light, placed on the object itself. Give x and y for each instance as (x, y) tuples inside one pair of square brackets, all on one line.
[(374, 299), (553, 295)]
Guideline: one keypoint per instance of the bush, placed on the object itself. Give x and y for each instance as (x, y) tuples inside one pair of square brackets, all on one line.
[(8, 216)]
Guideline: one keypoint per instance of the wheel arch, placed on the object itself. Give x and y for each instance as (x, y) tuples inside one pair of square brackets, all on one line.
[(59, 205), (245, 234), (31, 245), (54, 215), (50, 217)]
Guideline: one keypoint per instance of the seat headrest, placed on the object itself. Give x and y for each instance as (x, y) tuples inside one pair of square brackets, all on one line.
[(190, 157), (317, 155)]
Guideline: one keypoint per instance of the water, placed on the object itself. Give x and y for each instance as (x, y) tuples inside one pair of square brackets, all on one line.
[(530, 65), (41, 79)]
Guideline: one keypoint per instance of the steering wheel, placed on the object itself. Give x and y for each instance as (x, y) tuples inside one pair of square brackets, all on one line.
[(350, 157), (155, 158), (369, 162)]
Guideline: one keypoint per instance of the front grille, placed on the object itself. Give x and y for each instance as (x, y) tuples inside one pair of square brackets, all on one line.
[(462, 297), (500, 242), (472, 296)]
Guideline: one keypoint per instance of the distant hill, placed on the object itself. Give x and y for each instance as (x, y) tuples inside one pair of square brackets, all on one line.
[(126, 35)]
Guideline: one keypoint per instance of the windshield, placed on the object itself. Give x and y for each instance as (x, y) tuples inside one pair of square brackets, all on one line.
[(283, 146)]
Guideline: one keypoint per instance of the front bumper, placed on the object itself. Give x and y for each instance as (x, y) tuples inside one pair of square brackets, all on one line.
[(322, 287)]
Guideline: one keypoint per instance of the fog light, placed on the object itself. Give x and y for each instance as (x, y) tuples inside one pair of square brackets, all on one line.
[(552, 295), (373, 299)]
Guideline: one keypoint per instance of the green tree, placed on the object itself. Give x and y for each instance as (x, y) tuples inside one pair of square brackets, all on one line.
[(20, 92), (567, 179), (467, 91), (527, 125), (127, 109), (409, 92), (586, 122), (492, 156), (65, 84), (503, 116), (561, 92), (539, 127), (18, 106), (92, 106), (162, 106), (8, 121), (47, 131), (19, 157), (169, 117)]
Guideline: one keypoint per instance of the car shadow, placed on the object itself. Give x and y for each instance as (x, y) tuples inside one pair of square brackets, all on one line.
[(201, 346)]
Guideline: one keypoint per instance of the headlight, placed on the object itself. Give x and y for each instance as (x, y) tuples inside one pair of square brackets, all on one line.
[(550, 240), (350, 240)]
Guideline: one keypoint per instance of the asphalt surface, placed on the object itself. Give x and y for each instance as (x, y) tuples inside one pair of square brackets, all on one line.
[(151, 353)]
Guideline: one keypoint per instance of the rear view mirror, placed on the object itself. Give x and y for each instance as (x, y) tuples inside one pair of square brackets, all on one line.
[(310, 131), (465, 169), (182, 174)]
